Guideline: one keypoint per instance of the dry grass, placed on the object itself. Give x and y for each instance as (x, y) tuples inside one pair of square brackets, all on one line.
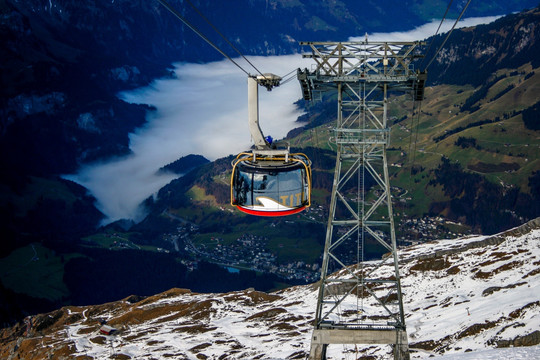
[(488, 274), (174, 292), (518, 312), (491, 290), (199, 348), (251, 298), (431, 264), (195, 329), (101, 340), (283, 326), (476, 329), (120, 357), (267, 314), (424, 345), (532, 273)]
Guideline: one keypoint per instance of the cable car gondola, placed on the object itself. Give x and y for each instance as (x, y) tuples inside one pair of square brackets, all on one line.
[(271, 186), (269, 181)]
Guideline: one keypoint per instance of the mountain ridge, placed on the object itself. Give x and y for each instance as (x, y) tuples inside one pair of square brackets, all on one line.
[(452, 301), (113, 46), (50, 124)]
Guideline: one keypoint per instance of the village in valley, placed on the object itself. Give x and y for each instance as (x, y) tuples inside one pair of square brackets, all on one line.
[(251, 252), (248, 252)]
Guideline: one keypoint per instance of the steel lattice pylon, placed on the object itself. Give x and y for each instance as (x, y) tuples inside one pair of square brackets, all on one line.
[(350, 307)]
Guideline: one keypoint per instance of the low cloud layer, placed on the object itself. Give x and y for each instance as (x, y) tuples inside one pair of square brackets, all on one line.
[(203, 111), (424, 31)]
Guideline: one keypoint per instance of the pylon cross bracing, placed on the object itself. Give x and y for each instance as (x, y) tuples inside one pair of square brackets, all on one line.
[(354, 305)]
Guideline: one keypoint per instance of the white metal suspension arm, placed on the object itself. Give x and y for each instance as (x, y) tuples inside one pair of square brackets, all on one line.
[(253, 114), (268, 81)]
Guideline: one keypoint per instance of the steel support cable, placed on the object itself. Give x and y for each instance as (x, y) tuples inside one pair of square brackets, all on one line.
[(292, 75), (283, 82), (289, 73), (413, 160), (416, 134), (448, 35), (359, 189), (409, 152), (223, 36), (362, 118), (439, 28), (427, 51), (409, 160), (188, 24), (359, 242)]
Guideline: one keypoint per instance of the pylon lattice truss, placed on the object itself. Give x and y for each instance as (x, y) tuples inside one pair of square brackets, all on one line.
[(354, 306)]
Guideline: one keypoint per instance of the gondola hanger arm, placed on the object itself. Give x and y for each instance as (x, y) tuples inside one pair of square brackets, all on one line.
[(269, 81)]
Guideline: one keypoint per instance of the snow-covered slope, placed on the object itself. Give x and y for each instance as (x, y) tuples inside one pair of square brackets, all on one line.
[(472, 298)]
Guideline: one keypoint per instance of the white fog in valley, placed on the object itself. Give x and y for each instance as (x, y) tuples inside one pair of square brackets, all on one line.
[(203, 110)]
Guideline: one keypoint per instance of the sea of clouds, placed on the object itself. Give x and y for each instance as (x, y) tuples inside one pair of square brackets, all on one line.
[(203, 110)]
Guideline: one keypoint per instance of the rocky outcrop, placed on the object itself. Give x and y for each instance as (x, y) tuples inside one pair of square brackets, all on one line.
[(525, 340)]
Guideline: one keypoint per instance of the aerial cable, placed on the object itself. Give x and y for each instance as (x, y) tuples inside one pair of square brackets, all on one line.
[(223, 36), (293, 75), (411, 154), (443, 18), (409, 151), (416, 132), (181, 18), (283, 82), (432, 59), (439, 28), (290, 72), (448, 35)]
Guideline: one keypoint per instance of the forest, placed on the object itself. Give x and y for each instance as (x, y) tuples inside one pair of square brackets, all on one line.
[(481, 203)]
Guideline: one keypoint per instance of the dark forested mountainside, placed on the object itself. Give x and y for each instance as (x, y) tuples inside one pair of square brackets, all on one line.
[(64, 61), (473, 56), (184, 164)]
